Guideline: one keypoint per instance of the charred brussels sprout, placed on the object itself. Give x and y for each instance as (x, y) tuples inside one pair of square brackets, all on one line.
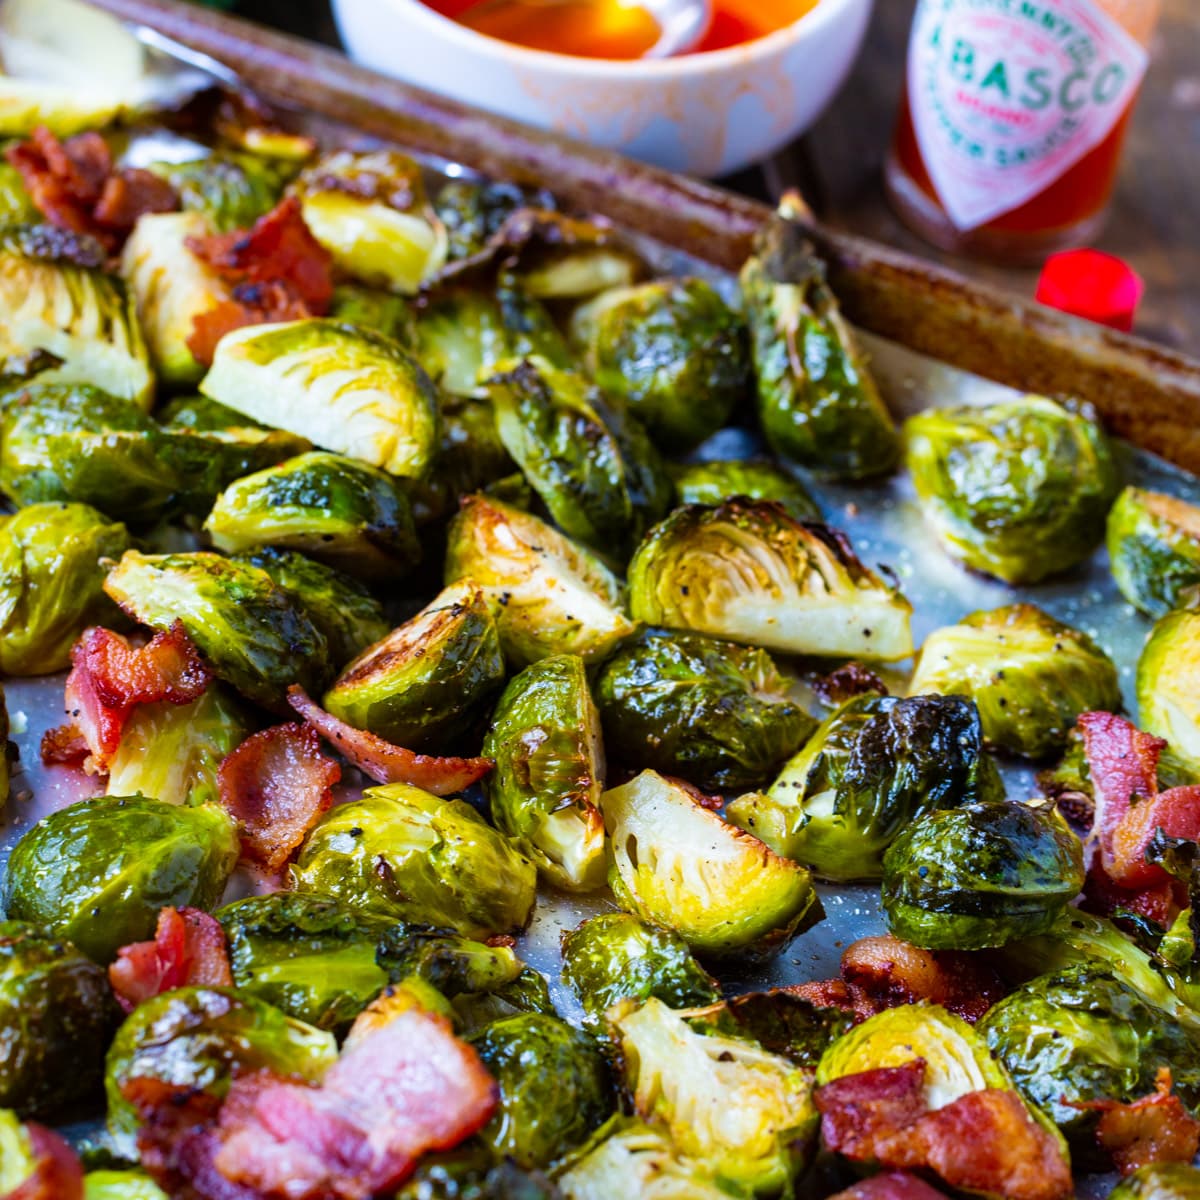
[(51, 583), (458, 967), (472, 212), (471, 1172), (99, 871), (817, 402), (1030, 676), (1168, 684), (615, 957), (748, 571), (554, 1087), (715, 713), (56, 1015), (1154, 549), (1019, 489), (548, 594), (715, 482), (676, 864), (253, 633), (404, 853), (875, 765), (372, 308), (229, 190), (342, 387), (1160, 1181), (545, 740), (981, 875), (421, 685), (674, 351)]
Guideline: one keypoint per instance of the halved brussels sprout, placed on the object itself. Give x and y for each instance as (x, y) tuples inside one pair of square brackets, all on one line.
[(462, 970), (981, 875), (1159, 1181), (121, 1185), (404, 853), (340, 386), (544, 791), (228, 189), (56, 1016), (594, 468), (1030, 676), (1168, 685), (748, 571), (52, 583), (98, 872), (875, 765), (673, 350), (422, 684), (253, 633), (1018, 489), (675, 863), (382, 312), (817, 402), (716, 481), (615, 957), (369, 211), (746, 1113), (1154, 549), (554, 1088), (715, 713), (548, 594)]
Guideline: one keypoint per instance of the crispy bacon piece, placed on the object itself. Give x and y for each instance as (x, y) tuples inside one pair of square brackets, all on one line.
[(857, 1111), (261, 303), (895, 1185), (57, 1173), (1157, 1128), (837, 993), (384, 762), (130, 194), (188, 951), (1160, 903), (276, 785)]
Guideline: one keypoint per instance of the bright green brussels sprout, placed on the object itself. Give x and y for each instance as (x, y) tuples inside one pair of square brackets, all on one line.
[(121, 1185), (1160, 1181), (16, 204), (230, 190), (97, 872), (714, 713), (421, 685), (342, 387), (714, 482), (674, 351), (746, 570), (1154, 549), (56, 1016), (981, 875), (409, 855), (817, 402), (337, 510), (200, 1037), (252, 632), (51, 583), (549, 595), (554, 1088), (598, 474), (1168, 684), (616, 957), (746, 1113), (1019, 489), (172, 752), (874, 766), (675, 863), (549, 773), (79, 314), (1030, 676), (380, 311), (473, 211)]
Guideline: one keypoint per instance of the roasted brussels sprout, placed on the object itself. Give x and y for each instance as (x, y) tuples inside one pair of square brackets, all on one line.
[(1160, 1181), (545, 740), (473, 211), (380, 311), (252, 632), (527, 993), (1154, 549), (674, 351), (460, 969), (549, 594), (715, 713), (1019, 489), (554, 1088), (407, 854), (51, 583), (714, 482), (1168, 678), (674, 863), (748, 571), (817, 402), (874, 766), (337, 510), (98, 872), (471, 1172), (789, 1024), (5, 758), (981, 875), (200, 414), (121, 1185), (615, 957), (229, 190), (422, 684), (342, 387), (56, 1016), (1030, 676), (16, 204)]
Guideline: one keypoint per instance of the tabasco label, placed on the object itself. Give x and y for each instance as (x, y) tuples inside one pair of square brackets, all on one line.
[(1006, 95)]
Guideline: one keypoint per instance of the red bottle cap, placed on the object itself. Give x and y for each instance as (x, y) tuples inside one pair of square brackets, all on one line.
[(1091, 284)]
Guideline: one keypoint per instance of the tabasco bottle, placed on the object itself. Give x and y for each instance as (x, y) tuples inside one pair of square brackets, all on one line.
[(1013, 118)]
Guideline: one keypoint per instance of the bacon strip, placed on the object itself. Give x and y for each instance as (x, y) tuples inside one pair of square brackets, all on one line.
[(1160, 903), (384, 762), (188, 951), (57, 1173)]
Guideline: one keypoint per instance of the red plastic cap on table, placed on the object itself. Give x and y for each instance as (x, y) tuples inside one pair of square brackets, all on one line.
[(1091, 284)]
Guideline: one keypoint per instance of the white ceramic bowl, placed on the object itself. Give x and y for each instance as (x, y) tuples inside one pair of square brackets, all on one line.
[(706, 114)]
